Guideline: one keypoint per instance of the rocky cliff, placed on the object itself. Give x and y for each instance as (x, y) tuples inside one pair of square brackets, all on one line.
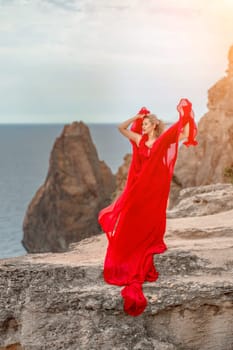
[(60, 301), (206, 163), (203, 200), (77, 186)]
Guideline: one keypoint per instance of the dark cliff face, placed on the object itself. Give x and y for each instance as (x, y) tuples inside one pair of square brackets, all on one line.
[(66, 206), (206, 163)]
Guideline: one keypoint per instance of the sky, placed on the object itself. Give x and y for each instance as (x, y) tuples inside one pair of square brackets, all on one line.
[(100, 61)]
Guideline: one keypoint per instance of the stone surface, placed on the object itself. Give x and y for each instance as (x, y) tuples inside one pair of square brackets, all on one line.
[(203, 200), (15, 346), (60, 301), (122, 174), (206, 163), (78, 185)]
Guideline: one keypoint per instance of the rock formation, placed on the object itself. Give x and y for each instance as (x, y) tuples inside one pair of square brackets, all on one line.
[(60, 301), (122, 174), (203, 200), (206, 163), (77, 186)]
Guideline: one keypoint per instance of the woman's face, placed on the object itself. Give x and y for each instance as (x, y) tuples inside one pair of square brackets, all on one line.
[(147, 126)]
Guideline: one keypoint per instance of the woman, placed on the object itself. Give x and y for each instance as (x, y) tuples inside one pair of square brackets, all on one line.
[(135, 222)]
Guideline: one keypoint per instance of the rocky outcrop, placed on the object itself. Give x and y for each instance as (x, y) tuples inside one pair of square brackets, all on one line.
[(212, 159), (122, 174), (206, 163), (203, 200), (77, 186), (59, 301)]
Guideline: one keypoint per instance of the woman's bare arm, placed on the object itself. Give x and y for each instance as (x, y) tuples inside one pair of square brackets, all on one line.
[(131, 135), (185, 132)]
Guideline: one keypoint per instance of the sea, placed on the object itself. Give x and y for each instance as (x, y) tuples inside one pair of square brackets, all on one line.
[(24, 161)]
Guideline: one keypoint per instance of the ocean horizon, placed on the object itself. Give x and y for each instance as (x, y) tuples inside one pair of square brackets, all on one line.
[(24, 155)]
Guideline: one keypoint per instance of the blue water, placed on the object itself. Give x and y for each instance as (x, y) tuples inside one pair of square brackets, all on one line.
[(24, 159)]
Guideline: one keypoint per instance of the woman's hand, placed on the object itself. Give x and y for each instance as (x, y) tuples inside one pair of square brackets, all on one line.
[(181, 105), (143, 111)]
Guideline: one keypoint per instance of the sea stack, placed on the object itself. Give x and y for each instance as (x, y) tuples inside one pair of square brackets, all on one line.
[(66, 206)]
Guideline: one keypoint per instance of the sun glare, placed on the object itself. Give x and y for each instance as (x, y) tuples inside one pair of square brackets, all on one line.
[(229, 3)]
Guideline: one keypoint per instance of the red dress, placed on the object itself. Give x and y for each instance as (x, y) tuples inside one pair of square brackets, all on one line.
[(135, 222)]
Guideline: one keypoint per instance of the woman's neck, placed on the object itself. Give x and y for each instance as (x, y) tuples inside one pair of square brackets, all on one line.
[(152, 135)]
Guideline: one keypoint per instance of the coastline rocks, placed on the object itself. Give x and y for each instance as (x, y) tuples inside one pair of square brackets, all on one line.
[(203, 200), (60, 301), (77, 186), (206, 163)]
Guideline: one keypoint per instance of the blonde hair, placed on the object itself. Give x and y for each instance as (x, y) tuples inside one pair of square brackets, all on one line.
[(160, 126)]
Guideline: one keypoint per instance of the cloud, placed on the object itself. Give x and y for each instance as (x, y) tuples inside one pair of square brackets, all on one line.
[(67, 5), (96, 56)]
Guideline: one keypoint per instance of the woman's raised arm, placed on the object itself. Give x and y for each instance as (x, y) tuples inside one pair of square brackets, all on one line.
[(184, 134), (131, 135)]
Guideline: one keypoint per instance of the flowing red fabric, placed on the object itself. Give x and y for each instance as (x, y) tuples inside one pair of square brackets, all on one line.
[(135, 222)]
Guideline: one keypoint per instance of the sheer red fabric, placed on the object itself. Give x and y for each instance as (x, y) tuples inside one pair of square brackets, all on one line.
[(135, 222)]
